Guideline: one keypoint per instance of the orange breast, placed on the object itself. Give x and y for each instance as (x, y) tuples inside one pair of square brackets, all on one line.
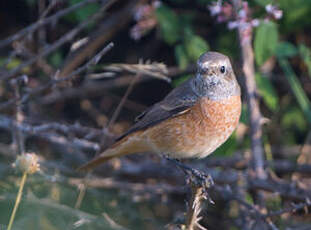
[(197, 132)]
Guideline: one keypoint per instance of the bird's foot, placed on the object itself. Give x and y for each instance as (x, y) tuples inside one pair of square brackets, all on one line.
[(196, 178)]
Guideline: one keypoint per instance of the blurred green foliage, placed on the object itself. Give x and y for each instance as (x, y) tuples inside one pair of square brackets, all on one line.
[(267, 91), (265, 43), (297, 88), (177, 30), (305, 54), (81, 14), (296, 15), (169, 24)]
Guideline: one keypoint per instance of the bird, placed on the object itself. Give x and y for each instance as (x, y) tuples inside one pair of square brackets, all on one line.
[(192, 121)]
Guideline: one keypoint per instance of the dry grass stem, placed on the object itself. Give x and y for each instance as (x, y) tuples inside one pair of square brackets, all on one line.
[(18, 200)]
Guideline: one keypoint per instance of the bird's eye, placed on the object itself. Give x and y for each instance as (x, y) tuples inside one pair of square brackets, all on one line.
[(222, 69)]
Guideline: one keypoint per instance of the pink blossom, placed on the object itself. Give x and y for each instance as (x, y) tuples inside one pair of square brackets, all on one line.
[(233, 25), (215, 8), (145, 19), (274, 11)]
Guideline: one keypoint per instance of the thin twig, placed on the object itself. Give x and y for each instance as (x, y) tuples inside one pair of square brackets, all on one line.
[(7, 123), (96, 39), (120, 105), (156, 70), (52, 82), (292, 208), (65, 38), (40, 23)]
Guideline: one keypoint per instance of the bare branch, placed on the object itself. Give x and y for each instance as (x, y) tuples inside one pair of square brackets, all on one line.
[(52, 82), (7, 123), (245, 35), (42, 22), (67, 37)]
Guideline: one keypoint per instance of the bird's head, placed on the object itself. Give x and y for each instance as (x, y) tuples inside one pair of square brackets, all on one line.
[(215, 77)]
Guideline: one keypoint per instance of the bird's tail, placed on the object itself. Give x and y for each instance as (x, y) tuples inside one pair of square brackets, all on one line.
[(125, 146)]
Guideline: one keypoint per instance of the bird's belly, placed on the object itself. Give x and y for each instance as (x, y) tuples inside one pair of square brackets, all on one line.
[(198, 132)]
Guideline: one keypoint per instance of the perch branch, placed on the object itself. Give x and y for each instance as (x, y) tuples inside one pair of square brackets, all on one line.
[(193, 214)]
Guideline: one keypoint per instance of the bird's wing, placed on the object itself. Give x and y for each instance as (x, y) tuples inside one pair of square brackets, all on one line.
[(177, 102)]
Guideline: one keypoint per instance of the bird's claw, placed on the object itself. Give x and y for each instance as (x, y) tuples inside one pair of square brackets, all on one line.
[(201, 179), (196, 178)]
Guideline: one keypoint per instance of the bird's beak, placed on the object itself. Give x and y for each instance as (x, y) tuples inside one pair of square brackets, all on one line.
[(213, 79)]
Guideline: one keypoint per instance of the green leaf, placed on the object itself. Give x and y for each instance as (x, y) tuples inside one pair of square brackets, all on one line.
[(296, 15), (297, 89), (169, 24), (56, 59), (294, 117), (181, 56), (265, 42), (285, 49), (83, 13), (305, 54), (267, 92), (195, 46)]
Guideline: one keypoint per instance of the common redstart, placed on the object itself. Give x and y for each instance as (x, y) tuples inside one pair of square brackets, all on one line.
[(192, 121)]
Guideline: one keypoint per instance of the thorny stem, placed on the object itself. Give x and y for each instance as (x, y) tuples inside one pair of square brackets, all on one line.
[(245, 35), (18, 199)]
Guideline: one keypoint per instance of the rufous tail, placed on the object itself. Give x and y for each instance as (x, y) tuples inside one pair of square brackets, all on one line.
[(123, 147)]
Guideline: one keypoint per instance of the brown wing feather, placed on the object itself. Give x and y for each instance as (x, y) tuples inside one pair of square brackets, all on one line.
[(175, 103)]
